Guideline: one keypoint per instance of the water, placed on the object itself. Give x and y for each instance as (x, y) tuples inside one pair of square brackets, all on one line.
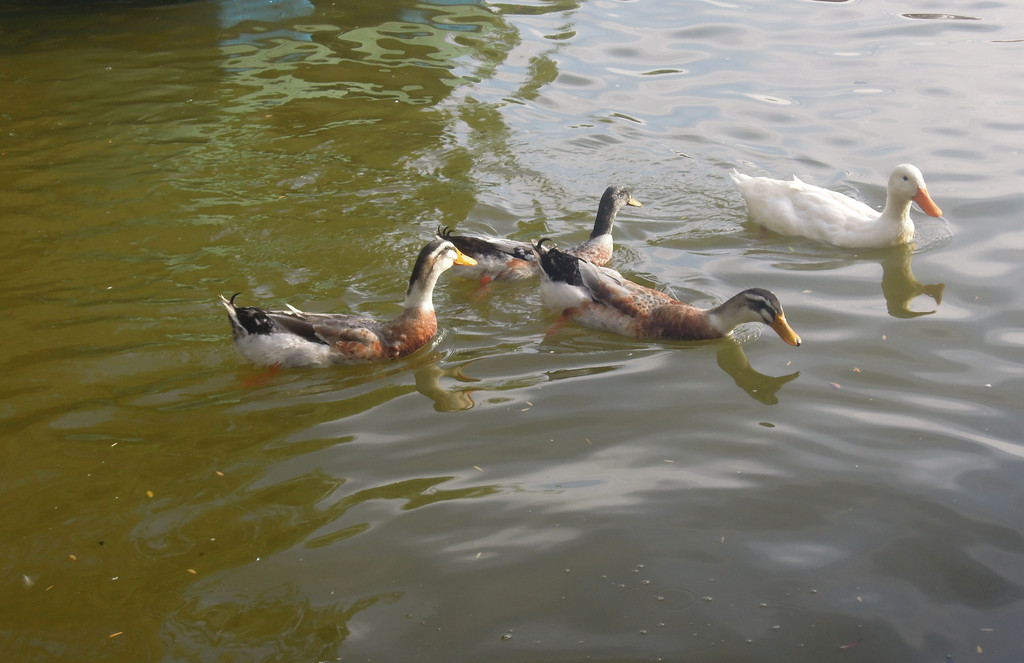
[(502, 495)]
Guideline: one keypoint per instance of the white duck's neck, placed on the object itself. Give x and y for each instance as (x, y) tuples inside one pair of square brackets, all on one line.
[(896, 215), (896, 208)]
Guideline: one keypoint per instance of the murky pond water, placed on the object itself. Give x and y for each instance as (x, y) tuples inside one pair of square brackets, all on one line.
[(502, 495)]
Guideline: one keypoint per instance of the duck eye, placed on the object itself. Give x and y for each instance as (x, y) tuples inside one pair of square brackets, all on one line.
[(905, 178)]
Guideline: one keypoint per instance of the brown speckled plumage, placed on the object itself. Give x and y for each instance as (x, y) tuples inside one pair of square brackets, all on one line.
[(602, 298)]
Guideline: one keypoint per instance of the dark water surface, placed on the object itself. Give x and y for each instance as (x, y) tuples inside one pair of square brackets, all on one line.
[(500, 496)]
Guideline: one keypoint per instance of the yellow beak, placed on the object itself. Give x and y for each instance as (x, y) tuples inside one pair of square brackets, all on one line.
[(784, 331), (463, 259), (633, 202)]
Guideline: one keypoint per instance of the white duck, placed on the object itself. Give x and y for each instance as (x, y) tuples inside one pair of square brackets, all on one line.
[(796, 208)]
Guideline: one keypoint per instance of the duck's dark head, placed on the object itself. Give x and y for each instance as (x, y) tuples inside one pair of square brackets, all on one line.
[(247, 320), (614, 199), (618, 197)]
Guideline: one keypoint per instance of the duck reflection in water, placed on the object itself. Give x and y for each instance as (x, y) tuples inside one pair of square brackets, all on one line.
[(760, 387), (900, 286), (428, 375), (428, 383)]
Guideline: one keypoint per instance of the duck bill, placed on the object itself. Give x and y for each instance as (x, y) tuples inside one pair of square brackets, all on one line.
[(463, 259), (927, 204), (784, 331), (633, 202)]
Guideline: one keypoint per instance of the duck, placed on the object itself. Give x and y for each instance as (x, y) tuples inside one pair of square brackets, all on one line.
[(601, 298), (298, 339), (796, 208), (500, 259)]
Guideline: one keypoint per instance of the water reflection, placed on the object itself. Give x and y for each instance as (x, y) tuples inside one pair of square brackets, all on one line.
[(429, 383), (760, 387), (900, 286), (380, 53), (730, 357), (362, 386), (231, 13), (143, 171), (168, 150), (260, 628)]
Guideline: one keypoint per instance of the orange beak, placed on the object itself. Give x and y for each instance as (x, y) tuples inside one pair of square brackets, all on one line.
[(927, 204), (784, 331), (463, 259)]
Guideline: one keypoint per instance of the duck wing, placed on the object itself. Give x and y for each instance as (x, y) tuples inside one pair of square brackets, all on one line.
[(328, 328), (609, 287), (601, 282), (485, 246), (797, 208), (604, 299)]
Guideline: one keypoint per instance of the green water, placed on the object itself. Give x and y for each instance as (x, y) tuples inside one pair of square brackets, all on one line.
[(501, 495)]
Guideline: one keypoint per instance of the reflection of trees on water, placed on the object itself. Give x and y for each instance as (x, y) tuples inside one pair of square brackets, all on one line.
[(362, 117), (245, 126), (380, 51), (350, 113)]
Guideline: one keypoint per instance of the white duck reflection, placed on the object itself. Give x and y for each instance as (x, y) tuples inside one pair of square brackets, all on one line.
[(900, 287)]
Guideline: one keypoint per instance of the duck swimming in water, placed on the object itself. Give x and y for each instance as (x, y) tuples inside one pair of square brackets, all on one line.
[(295, 338), (601, 298), (506, 259), (796, 208)]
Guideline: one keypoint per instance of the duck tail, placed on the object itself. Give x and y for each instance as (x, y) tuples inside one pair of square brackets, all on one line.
[(558, 265)]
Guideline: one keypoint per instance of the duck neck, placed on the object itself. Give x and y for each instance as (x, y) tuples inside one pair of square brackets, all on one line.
[(897, 213), (727, 315), (420, 296), (606, 212), (897, 209), (719, 322)]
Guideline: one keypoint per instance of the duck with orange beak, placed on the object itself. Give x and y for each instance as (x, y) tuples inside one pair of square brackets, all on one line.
[(796, 208)]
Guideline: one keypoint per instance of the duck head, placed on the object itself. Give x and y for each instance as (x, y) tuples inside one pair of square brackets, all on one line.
[(756, 305), (907, 183)]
